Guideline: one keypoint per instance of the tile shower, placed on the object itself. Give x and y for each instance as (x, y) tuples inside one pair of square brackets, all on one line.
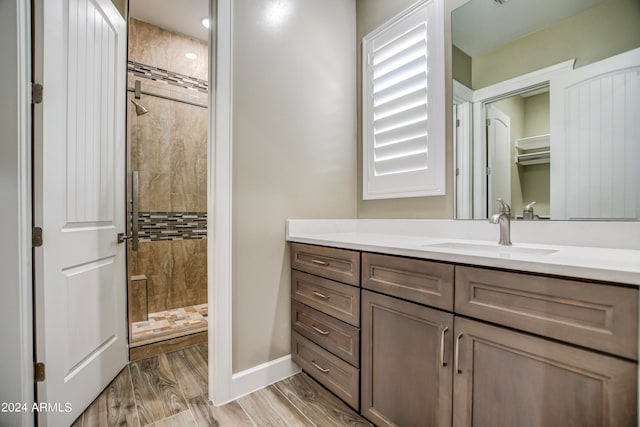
[(167, 149)]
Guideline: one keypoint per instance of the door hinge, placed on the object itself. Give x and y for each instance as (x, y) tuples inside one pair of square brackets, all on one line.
[(38, 372), (457, 123), (488, 122), (488, 171), (36, 93), (36, 237)]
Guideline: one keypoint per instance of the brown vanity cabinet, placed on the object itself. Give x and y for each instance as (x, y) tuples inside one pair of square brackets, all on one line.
[(325, 317), (406, 363), (505, 378), (337, 264), (444, 344), (599, 316)]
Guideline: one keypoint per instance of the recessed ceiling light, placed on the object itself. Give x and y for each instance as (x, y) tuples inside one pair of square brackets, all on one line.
[(191, 55), (206, 22)]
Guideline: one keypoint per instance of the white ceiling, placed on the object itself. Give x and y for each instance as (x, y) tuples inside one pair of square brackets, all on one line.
[(482, 25), (180, 16)]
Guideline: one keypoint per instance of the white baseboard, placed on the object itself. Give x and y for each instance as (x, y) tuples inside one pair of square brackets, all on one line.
[(260, 376)]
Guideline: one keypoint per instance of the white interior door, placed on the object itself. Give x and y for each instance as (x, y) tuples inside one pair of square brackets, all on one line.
[(498, 158), (79, 198), (595, 140), (463, 163)]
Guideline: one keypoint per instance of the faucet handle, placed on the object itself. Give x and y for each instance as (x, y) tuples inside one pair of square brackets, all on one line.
[(504, 208), (529, 207)]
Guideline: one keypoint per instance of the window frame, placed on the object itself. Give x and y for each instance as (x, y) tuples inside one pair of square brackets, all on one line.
[(432, 180)]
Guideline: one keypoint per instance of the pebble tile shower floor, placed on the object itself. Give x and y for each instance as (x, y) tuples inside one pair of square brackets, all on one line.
[(169, 324)]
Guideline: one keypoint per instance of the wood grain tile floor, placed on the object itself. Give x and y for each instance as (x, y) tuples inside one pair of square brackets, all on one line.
[(170, 390)]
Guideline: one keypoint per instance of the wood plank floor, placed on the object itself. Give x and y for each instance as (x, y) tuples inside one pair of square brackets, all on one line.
[(170, 390)]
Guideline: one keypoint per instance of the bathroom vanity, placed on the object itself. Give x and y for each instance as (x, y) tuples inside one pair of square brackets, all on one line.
[(444, 334)]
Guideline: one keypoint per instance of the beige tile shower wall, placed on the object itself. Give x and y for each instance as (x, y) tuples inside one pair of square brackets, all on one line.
[(176, 272), (293, 142), (168, 148), (169, 151), (152, 45)]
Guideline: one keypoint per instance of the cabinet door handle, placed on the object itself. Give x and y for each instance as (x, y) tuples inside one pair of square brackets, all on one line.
[(320, 368), (457, 355), (444, 331), (318, 330), (317, 261), (318, 294)]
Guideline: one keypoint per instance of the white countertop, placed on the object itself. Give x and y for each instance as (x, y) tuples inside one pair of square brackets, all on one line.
[(413, 239)]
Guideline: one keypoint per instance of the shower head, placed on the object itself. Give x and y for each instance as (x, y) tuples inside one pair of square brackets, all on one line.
[(140, 110)]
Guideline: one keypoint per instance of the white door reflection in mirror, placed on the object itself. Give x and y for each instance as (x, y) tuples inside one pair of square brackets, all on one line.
[(596, 140), (498, 158)]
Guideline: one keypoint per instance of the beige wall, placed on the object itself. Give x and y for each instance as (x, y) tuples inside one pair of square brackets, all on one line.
[(461, 67), (370, 15), (597, 33), (122, 6), (294, 154), (537, 113)]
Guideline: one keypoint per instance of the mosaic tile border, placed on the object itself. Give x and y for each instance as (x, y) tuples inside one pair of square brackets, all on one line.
[(175, 79), (159, 226)]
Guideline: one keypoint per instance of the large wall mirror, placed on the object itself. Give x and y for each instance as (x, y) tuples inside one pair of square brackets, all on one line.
[(546, 105)]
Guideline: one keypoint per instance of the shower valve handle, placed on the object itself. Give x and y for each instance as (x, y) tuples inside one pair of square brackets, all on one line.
[(122, 238)]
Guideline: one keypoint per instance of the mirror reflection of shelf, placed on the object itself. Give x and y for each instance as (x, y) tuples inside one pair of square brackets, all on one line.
[(540, 143)]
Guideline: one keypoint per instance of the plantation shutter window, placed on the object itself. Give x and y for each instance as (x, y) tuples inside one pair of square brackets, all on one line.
[(403, 105)]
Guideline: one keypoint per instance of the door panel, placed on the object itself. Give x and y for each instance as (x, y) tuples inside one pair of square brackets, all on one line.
[(594, 140), (406, 371), (506, 379), (79, 187), (498, 158)]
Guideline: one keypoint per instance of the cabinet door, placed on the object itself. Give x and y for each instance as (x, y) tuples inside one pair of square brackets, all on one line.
[(504, 378), (406, 363)]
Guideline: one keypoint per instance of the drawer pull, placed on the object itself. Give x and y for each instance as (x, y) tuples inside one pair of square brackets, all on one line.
[(317, 261), (457, 355), (318, 330), (320, 368), (442, 362), (319, 295)]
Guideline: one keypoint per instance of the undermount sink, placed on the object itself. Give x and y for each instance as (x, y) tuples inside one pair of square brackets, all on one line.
[(504, 251)]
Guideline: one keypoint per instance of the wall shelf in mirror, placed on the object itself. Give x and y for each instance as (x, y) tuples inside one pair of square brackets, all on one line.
[(538, 142), (533, 158), (534, 142)]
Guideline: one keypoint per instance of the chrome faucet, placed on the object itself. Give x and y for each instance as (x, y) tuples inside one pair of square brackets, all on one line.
[(527, 212), (504, 219)]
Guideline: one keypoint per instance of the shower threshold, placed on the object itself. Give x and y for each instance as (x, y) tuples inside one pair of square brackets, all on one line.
[(169, 324)]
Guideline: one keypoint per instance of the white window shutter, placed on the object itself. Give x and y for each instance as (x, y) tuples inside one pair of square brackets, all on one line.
[(403, 105)]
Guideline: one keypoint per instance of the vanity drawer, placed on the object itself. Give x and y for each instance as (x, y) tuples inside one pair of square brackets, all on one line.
[(329, 370), (416, 280), (598, 316), (339, 338), (333, 298), (337, 264)]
